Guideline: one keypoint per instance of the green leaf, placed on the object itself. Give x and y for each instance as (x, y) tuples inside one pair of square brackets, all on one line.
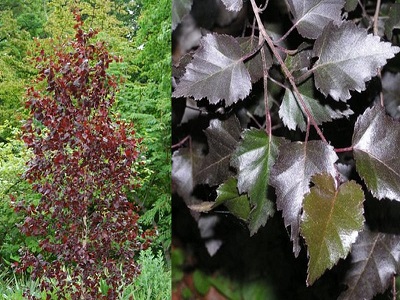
[(376, 142), (348, 57), (311, 16), (216, 72), (332, 217), (104, 287), (222, 138), (226, 287), (253, 160), (296, 164), (374, 260), (293, 116), (201, 282), (228, 195), (350, 5), (258, 290)]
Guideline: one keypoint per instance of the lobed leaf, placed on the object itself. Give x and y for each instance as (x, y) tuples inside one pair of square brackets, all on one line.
[(374, 261), (293, 115), (311, 16), (296, 164), (216, 72), (376, 141), (222, 138), (331, 220), (253, 160), (348, 57)]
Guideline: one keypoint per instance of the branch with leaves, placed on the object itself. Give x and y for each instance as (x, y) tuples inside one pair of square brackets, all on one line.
[(314, 85)]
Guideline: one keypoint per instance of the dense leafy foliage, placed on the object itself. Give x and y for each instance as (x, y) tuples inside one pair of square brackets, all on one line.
[(145, 99), (82, 166), (153, 281), (303, 122), (15, 40), (13, 157)]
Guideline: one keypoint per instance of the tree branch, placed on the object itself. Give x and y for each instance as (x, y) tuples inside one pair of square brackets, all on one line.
[(265, 78), (285, 70), (347, 149)]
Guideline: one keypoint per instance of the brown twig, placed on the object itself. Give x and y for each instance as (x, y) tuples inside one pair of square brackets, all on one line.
[(180, 143), (285, 70), (261, 9), (265, 78), (347, 149), (376, 16)]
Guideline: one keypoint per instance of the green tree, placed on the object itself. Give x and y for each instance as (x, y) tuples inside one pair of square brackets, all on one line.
[(15, 72), (146, 101)]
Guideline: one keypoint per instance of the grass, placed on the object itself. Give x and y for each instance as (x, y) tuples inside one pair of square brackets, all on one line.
[(154, 282)]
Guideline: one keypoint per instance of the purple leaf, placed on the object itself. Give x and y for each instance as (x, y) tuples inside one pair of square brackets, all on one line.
[(222, 137), (376, 141), (216, 72), (296, 164), (293, 116), (374, 261), (311, 16), (347, 58), (184, 163)]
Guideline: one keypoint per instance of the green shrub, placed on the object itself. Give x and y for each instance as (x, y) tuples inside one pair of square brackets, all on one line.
[(13, 157), (154, 282)]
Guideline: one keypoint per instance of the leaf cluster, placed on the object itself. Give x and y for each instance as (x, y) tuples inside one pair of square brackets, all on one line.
[(250, 132)]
